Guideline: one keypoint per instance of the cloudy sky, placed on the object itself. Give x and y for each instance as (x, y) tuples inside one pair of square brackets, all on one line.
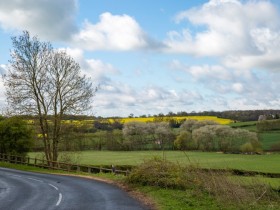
[(158, 56)]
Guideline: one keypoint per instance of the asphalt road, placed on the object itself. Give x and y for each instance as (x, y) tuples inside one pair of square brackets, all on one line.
[(20, 190)]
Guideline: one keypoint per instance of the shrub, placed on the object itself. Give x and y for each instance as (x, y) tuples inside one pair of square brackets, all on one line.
[(164, 174), (15, 136), (190, 125), (247, 147), (156, 172), (184, 141), (268, 125), (275, 147)]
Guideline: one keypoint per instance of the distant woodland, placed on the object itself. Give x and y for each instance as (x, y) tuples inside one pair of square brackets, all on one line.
[(237, 115)]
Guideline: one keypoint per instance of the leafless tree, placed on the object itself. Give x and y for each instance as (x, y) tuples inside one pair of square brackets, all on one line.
[(47, 83)]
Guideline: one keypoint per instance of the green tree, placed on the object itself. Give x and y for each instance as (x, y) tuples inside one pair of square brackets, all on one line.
[(135, 134), (164, 135), (15, 136), (46, 83), (184, 141)]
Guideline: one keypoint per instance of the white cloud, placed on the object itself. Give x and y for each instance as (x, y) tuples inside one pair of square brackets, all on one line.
[(238, 87), (123, 99), (2, 87), (97, 70), (228, 28), (205, 72), (52, 19), (2, 69), (113, 32), (56, 21), (259, 87)]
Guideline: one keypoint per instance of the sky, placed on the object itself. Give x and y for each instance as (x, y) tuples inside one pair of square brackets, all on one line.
[(160, 56)]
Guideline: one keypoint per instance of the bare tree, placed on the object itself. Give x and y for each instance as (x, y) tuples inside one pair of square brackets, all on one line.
[(47, 83)]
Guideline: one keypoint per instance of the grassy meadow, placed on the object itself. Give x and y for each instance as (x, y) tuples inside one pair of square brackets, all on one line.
[(269, 138), (260, 163)]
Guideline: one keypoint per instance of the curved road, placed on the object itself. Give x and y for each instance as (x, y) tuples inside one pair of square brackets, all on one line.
[(20, 190)]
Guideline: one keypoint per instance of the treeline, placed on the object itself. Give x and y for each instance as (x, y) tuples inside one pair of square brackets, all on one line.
[(209, 136), (129, 137), (268, 125), (237, 115), (192, 135)]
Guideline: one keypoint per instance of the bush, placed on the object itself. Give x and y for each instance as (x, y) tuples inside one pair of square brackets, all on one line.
[(268, 125), (275, 147), (247, 147), (15, 136), (190, 125), (184, 141), (160, 173), (164, 174)]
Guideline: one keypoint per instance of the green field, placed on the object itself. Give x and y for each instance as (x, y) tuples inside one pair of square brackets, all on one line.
[(251, 125), (269, 138), (262, 163)]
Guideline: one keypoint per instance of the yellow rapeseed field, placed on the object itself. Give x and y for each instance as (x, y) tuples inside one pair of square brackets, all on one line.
[(79, 123), (152, 119)]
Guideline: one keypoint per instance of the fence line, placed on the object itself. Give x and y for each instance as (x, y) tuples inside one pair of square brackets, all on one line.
[(55, 165)]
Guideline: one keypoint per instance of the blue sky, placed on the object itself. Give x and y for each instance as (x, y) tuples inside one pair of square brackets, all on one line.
[(153, 57)]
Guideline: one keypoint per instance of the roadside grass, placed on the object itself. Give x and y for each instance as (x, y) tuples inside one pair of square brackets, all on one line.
[(274, 183), (267, 163), (212, 189), (172, 199)]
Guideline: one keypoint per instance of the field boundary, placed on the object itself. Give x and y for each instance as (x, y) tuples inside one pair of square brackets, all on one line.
[(55, 165)]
